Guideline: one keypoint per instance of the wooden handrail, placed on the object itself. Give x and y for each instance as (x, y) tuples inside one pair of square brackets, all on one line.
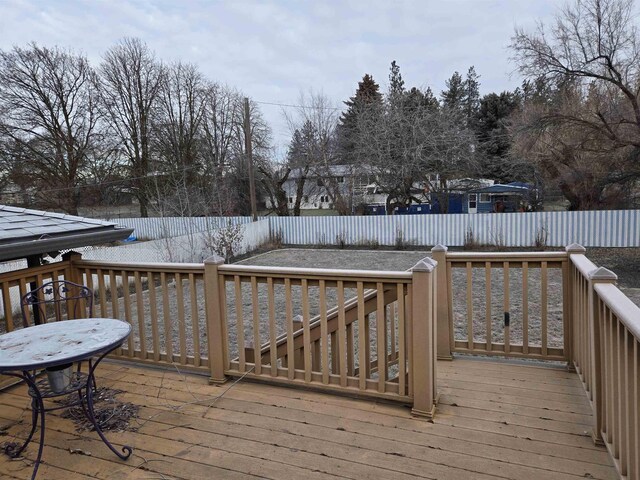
[(622, 306)]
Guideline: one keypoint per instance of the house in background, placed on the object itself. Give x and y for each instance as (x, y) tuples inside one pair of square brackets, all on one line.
[(322, 184), (498, 198)]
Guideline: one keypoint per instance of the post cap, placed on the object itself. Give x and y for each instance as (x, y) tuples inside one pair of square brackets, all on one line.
[(602, 274), (439, 248), (575, 248), (214, 260), (423, 266)]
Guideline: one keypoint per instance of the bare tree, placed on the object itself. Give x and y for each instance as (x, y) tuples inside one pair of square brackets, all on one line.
[(48, 105), (313, 152), (413, 147), (591, 56), (131, 80), (177, 120)]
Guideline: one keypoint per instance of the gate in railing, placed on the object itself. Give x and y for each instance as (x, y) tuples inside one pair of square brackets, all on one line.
[(506, 304)]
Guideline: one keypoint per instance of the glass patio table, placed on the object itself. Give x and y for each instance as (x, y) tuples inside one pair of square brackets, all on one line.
[(54, 346)]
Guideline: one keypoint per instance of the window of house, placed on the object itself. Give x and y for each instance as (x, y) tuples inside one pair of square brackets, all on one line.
[(485, 198), (319, 182), (340, 179), (290, 199), (472, 200), (306, 199)]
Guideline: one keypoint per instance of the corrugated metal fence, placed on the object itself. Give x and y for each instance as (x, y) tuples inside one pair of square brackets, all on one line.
[(609, 228), (153, 228)]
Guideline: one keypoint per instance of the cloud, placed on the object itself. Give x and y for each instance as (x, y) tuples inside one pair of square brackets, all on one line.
[(272, 50)]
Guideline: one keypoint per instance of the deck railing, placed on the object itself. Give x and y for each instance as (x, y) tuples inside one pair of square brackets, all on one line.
[(163, 302), (507, 304), (607, 358), (373, 333), (358, 332), (362, 332)]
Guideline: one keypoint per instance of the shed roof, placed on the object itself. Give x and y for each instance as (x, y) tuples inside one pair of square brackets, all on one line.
[(25, 232)]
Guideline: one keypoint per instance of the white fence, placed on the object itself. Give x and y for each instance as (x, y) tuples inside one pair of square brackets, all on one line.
[(603, 228), (153, 228), (182, 248)]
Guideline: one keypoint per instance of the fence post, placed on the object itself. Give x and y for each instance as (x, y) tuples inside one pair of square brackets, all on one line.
[(216, 336), (569, 305), (423, 365), (439, 254), (599, 275)]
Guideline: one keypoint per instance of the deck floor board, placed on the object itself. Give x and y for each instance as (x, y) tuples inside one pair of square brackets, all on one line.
[(495, 420)]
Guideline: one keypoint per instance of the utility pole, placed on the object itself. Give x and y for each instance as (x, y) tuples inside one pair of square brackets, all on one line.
[(247, 148)]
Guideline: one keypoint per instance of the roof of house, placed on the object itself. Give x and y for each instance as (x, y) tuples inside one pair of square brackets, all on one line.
[(500, 188), (25, 232)]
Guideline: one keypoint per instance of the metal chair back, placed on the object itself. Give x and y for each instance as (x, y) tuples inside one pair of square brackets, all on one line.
[(55, 301)]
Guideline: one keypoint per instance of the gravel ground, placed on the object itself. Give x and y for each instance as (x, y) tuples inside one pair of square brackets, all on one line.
[(369, 260)]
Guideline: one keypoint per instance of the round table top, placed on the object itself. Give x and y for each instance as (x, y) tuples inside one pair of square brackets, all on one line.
[(62, 342)]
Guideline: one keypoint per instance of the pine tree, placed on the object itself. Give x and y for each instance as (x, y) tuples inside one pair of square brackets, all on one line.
[(471, 98), (396, 83), (367, 97), (453, 96)]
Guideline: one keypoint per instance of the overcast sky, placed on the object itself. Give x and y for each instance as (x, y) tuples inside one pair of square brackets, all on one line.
[(273, 50)]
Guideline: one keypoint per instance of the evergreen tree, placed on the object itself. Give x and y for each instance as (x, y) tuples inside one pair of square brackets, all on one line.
[(494, 141), (471, 98), (396, 83), (367, 97), (453, 96)]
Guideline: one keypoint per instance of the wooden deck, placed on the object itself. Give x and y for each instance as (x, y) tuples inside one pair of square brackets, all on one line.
[(494, 420)]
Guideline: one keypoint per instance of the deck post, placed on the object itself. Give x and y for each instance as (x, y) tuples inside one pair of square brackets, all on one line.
[(439, 254), (569, 302), (599, 275), (423, 365), (216, 338), (73, 274)]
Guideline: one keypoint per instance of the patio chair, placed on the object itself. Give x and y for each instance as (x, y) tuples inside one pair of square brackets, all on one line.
[(55, 301)]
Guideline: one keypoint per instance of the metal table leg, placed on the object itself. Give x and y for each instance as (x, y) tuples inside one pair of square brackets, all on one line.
[(37, 409), (89, 413)]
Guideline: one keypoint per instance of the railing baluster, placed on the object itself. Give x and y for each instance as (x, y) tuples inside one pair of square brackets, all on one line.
[(182, 322), (103, 293), (8, 309), (272, 328), (324, 334), (544, 308), (487, 300), (611, 400), (126, 299), (507, 328), (393, 354), (525, 307), (239, 322), (291, 362), (195, 320), (381, 334), (363, 360), (402, 365), (140, 314), (255, 310), (166, 315), (619, 386), (367, 345), (342, 335), (153, 314), (113, 287), (469, 306), (308, 366), (22, 288)]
